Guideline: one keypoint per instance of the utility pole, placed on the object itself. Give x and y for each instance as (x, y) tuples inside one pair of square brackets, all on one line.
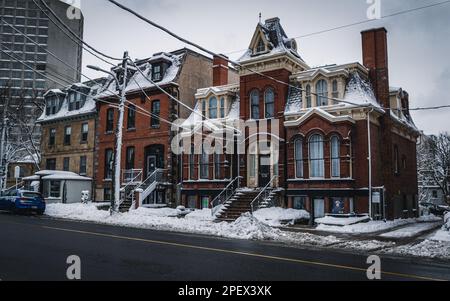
[(4, 173), (121, 83), (119, 134)]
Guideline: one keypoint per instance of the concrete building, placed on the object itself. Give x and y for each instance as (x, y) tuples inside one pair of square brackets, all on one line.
[(23, 24)]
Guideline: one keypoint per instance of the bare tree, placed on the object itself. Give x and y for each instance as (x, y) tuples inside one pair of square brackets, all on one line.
[(434, 163)]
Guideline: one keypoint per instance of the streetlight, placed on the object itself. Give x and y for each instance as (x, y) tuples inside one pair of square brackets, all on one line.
[(119, 133)]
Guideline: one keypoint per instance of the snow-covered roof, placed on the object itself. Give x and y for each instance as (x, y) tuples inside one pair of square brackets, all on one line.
[(196, 119), (57, 175), (67, 177), (138, 81), (279, 43), (358, 92), (88, 107)]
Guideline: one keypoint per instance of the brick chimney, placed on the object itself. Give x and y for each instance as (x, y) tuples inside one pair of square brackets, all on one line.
[(375, 58), (220, 71)]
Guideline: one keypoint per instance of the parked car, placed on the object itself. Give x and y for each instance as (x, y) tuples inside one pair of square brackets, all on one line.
[(435, 209), (18, 201)]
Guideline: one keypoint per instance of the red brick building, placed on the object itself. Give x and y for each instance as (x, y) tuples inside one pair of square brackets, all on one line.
[(318, 155), (147, 130)]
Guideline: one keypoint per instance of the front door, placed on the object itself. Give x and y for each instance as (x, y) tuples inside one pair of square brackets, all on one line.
[(264, 171), (151, 165), (319, 208)]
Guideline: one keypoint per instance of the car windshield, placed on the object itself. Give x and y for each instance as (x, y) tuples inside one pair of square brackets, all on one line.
[(31, 195)]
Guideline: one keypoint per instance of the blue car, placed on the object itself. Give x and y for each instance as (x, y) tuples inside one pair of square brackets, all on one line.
[(18, 201)]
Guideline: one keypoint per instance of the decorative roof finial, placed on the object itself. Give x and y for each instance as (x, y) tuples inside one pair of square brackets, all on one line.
[(260, 17)]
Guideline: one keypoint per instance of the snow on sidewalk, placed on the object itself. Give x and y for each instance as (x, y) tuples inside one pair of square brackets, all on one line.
[(277, 216), (411, 231), (374, 226)]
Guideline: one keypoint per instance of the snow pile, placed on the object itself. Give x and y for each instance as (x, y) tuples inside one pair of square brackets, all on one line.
[(343, 221), (447, 222), (366, 245), (203, 215), (370, 227), (198, 222), (427, 248), (277, 216), (412, 230)]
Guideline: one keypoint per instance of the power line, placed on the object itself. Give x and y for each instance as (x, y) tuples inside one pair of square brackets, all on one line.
[(257, 72), (403, 12), (224, 57), (75, 35), (70, 37)]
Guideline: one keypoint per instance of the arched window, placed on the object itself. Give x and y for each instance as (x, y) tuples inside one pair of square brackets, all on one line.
[(254, 104), (222, 108), (203, 108), (269, 103), (316, 157), (298, 144), (335, 90), (322, 93), (335, 157), (308, 96), (213, 107)]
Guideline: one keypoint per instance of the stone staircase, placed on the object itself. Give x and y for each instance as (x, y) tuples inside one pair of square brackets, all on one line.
[(238, 204)]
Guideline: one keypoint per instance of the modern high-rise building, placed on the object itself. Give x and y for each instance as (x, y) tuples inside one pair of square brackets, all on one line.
[(29, 31)]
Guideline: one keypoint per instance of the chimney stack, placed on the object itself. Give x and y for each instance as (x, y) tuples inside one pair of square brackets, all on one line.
[(375, 58), (220, 70)]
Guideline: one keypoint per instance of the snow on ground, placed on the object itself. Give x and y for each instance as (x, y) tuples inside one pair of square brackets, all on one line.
[(411, 230), (370, 227), (246, 227), (427, 248), (447, 222), (344, 221), (277, 216), (440, 235)]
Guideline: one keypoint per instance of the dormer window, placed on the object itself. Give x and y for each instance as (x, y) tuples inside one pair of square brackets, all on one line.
[(322, 93), (213, 107), (76, 101), (335, 91), (51, 106), (222, 107), (261, 47), (157, 72)]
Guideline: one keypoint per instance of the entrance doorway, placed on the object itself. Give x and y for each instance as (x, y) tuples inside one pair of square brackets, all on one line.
[(264, 170), (154, 159), (319, 208)]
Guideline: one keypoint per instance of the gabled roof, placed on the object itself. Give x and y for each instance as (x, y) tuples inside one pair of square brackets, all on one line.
[(276, 39)]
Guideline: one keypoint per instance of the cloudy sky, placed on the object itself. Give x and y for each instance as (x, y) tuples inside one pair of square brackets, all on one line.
[(419, 43)]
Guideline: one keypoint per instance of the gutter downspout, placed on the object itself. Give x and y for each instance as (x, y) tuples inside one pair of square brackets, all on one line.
[(369, 158)]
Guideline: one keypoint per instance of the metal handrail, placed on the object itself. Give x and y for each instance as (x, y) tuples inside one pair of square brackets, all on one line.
[(264, 191), (225, 195), (132, 175), (151, 179)]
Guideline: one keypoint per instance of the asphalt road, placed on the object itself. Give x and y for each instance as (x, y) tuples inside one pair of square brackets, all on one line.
[(36, 248)]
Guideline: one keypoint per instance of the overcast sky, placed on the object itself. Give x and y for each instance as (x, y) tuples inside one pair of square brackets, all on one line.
[(419, 42)]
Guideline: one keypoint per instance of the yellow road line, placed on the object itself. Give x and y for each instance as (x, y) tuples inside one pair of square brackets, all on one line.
[(300, 261)]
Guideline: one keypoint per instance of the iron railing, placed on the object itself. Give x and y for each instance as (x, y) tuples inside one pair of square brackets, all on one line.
[(264, 195), (225, 195), (158, 176), (132, 176)]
